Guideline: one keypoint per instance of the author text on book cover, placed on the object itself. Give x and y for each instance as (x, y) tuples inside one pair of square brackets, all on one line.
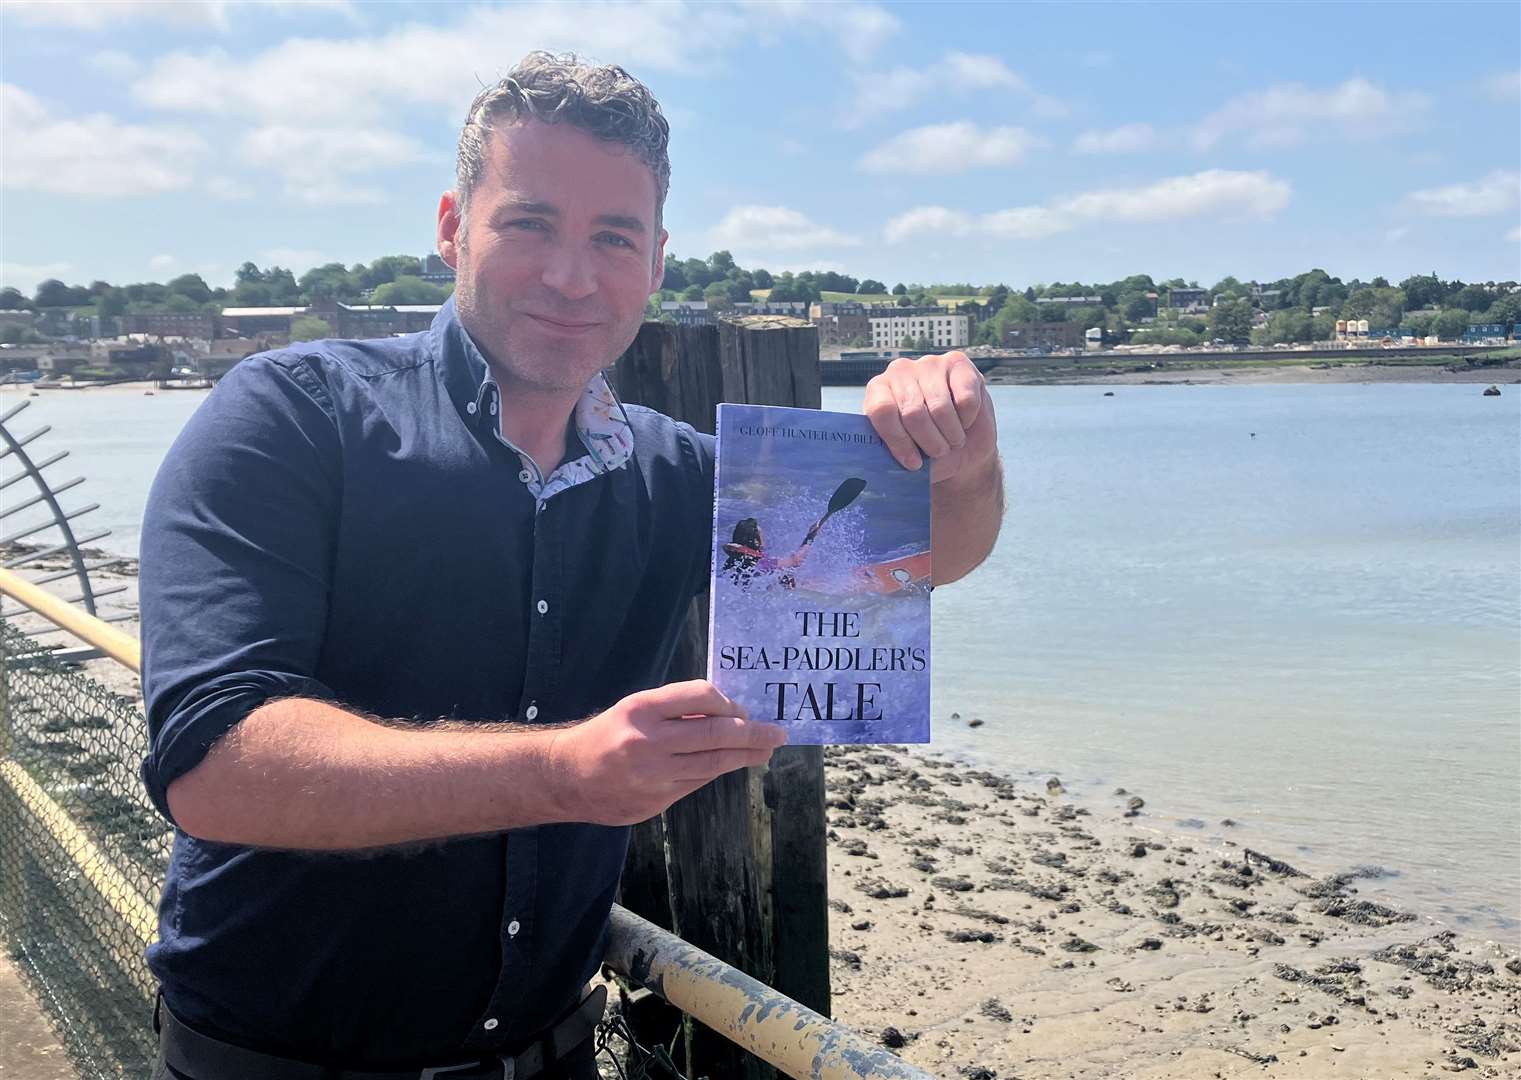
[(821, 577)]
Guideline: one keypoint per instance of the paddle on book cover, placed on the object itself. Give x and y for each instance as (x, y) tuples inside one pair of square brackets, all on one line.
[(821, 577)]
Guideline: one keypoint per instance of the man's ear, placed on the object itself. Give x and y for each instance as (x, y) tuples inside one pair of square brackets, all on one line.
[(449, 238), (659, 269)]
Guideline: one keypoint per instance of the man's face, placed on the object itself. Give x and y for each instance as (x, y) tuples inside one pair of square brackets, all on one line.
[(558, 254)]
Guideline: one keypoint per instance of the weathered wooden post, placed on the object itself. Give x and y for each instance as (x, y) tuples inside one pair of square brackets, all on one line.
[(744, 858)]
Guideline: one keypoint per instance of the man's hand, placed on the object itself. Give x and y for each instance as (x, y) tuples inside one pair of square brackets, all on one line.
[(936, 407), (629, 763)]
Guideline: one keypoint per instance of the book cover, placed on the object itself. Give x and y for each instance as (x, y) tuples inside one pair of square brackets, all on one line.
[(820, 616)]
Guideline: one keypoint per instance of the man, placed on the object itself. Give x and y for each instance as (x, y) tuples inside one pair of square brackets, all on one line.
[(408, 606)]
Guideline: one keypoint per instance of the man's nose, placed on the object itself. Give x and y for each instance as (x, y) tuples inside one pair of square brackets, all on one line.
[(569, 272)]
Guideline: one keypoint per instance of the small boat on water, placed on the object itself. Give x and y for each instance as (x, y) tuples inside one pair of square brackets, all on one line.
[(1493, 391)]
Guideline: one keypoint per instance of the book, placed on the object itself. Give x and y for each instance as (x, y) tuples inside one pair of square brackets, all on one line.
[(820, 600)]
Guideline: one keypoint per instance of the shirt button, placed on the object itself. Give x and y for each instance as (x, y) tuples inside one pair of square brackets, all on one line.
[(512, 928), (532, 712), (525, 476), (543, 606), (493, 406), (470, 408), (490, 1024)]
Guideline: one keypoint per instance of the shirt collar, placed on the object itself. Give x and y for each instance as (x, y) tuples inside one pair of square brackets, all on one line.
[(600, 420)]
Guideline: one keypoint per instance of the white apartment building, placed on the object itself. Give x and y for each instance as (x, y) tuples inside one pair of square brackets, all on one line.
[(944, 331)]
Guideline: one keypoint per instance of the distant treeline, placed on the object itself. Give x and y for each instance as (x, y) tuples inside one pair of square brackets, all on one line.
[(390, 279), (1296, 309)]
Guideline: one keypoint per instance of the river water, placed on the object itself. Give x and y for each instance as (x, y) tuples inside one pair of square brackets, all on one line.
[(1298, 607)]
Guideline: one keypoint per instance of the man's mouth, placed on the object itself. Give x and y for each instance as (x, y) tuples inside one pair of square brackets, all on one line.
[(568, 325)]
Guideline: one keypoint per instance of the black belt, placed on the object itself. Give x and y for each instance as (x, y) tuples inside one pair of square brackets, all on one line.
[(206, 1058)]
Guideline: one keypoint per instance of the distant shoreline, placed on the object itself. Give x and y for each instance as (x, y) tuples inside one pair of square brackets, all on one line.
[(1316, 373), (141, 386)]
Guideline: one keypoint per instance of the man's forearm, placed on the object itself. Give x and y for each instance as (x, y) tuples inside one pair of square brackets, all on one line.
[(967, 514), (306, 775)]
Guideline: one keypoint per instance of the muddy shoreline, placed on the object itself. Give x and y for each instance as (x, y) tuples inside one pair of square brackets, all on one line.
[(986, 926), (1314, 372), (992, 924)]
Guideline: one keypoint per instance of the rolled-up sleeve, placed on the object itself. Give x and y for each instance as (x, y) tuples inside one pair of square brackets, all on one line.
[(236, 560)]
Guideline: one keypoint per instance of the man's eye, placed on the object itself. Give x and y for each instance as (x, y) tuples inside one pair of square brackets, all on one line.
[(527, 223), (616, 240)]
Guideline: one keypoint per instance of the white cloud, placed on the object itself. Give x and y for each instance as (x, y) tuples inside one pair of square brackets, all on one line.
[(859, 29), (774, 228), (972, 71), (27, 276), (959, 73), (227, 189), (312, 161), (1026, 222), (161, 263), (1214, 194), (1514, 236), (333, 81), (933, 220), (190, 14), (114, 64), (1127, 139), (94, 156), (886, 91), (1496, 193), (951, 148), (1504, 87), (1046, 107), (1292, 112)]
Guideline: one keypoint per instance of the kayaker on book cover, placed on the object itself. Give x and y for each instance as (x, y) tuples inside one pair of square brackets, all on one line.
[(745, 557)]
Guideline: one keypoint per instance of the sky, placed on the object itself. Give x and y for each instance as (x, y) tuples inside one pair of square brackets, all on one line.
[(905, 142)]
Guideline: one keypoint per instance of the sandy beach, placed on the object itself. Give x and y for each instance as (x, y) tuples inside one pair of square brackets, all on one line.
[(987, 927)]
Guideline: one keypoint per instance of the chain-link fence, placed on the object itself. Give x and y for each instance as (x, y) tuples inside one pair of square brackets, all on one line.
[(82, 856)]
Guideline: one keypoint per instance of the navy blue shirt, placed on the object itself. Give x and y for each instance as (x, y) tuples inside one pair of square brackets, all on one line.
[(341, 520)]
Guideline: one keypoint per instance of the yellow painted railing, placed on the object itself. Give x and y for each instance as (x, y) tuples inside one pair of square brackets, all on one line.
[(796, 1040)]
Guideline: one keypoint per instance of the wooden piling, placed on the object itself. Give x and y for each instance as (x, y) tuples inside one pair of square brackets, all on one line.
[(745, 871)]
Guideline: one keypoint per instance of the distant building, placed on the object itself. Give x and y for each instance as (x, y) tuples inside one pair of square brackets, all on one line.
[(195, 325), (688, 312), (1075, 300), (60, 322), (1180, 299), (374, 320), (941, 330), (798, 309), (61, 362), (1044, 335), (250, 322), (435, 270), (126, 357), (841, 324), (22, 357)]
